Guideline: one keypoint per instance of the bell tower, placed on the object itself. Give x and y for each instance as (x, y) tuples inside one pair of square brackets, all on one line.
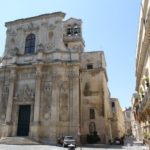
[(72, 36)]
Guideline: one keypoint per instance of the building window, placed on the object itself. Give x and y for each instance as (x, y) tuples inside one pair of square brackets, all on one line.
[(30, 44), (92, 113), (66, 44), (70, 31), (113, 106), (76, 30), (89, 66)]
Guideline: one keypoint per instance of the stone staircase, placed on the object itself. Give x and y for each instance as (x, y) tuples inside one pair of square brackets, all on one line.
[(18, 141)]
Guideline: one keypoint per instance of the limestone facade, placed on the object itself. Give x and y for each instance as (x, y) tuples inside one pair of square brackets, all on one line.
[(141, 99), (127, 119), (46, 75), (118, 123)]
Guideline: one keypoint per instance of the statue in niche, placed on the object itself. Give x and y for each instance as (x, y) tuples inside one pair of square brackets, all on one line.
[(64, 102)]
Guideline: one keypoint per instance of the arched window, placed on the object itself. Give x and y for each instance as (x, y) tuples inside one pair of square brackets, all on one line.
[(30, 44)]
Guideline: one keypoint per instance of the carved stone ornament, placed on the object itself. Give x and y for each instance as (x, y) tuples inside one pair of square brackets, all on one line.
[(38, 73), (14, 51), (47, 87), (50, 46), (25, 94), (51, 27), (64, 101), (40, 47), (5, 92), (29, 75), (11, 32), (30, 27), (47, 100), (3, 105), (45, 24), (71, 74)]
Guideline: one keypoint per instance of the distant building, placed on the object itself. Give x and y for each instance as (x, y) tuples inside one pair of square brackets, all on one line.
[(50, 87), (127, 119), (118, 126)]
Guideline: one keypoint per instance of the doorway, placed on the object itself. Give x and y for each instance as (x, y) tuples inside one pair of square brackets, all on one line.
[(23, 120)]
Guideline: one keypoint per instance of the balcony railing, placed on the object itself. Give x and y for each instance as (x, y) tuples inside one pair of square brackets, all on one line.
[(144, 103)]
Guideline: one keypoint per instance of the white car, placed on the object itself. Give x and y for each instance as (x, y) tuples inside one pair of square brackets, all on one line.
[(69, 140)]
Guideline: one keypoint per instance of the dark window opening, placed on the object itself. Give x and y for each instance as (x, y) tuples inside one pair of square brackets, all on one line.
[(92, 113), (113, 104), (66, 44), (73, 31), (30, 44), (90, 66), (76, 30), (70, 31)]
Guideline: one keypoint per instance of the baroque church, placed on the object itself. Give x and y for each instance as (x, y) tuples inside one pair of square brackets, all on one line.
[(49, 86)]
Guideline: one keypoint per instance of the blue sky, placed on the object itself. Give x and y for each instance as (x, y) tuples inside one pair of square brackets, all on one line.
[(108, 25)]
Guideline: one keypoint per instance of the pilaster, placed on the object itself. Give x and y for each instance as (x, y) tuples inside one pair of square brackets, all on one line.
[(36, 116), (10, 102)]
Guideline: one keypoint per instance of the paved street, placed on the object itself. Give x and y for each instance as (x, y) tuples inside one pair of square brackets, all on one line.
[(129, 144), (47, 147)]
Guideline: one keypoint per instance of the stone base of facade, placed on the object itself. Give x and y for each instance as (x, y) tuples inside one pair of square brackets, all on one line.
[(34, 130)]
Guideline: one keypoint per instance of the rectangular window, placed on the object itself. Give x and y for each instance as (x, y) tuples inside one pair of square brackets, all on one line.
[(89, 66), (92, 113), (113, 106)]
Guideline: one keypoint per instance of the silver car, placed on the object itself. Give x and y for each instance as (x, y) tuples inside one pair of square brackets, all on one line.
[(69, 140)]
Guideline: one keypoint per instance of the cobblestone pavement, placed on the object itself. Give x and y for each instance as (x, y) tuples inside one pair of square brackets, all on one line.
[(47, 147)]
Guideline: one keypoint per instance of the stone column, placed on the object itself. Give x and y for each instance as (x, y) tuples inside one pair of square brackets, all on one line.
[(36, 116), (10, 103)]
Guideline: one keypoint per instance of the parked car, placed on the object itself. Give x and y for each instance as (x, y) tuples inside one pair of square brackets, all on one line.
[(69, 140), (117, 141)]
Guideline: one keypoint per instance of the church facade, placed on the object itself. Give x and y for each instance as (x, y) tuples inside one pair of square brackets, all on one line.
[(50, 87)]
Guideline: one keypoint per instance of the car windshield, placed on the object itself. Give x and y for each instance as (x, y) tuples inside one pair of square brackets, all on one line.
[(69, 137)]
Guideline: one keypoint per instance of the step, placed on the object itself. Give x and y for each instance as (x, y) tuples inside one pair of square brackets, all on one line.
[(18, 141)]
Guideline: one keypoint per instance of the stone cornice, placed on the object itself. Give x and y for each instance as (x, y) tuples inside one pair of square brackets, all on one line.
[(55, 14)]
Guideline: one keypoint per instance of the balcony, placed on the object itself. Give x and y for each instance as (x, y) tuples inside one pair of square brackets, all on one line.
[(146, 99), (144, 106)]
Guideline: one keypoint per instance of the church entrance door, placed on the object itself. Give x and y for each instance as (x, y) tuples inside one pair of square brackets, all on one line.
[(23, 120)]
